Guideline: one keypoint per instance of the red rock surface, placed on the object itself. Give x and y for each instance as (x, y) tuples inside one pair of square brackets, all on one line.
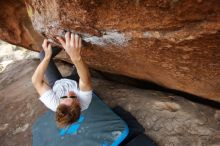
[(172, 43), (15, 25)]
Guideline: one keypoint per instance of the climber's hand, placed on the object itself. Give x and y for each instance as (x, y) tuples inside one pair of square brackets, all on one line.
[(47, 49), (72, 45)]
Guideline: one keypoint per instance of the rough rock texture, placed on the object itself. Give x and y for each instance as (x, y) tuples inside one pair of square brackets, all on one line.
[(19, 104), (15, 25), (174, 43), (166, 118)]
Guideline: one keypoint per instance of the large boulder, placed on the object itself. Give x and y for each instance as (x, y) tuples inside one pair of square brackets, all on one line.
[(172, 43), (16, 27)]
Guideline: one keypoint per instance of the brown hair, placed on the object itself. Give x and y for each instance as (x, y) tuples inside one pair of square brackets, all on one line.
[(66, 115)]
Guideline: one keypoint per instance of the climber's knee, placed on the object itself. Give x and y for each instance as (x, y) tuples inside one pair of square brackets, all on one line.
[(42, 54)]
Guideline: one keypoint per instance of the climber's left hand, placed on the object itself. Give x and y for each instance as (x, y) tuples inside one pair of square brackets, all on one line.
[(72, 45)]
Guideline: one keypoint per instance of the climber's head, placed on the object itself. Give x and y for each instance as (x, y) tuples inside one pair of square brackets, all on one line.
[(68, 111)]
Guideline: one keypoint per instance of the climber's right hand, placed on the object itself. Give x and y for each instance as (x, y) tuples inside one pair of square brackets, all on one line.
[(47, 49)]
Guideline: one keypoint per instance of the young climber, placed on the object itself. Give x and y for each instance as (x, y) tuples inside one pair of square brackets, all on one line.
[(62, 95)]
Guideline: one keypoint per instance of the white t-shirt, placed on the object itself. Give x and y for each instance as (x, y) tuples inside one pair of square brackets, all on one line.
[(51, 98)]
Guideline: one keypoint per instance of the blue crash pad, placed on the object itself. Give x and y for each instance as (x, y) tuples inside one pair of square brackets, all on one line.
[(97, 126)]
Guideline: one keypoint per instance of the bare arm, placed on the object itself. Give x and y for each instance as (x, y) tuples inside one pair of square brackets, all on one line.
[(85, 79), (72, 45), (38, 76)]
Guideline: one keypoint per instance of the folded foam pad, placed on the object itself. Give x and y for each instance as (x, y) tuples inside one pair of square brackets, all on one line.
[(97, 126)]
